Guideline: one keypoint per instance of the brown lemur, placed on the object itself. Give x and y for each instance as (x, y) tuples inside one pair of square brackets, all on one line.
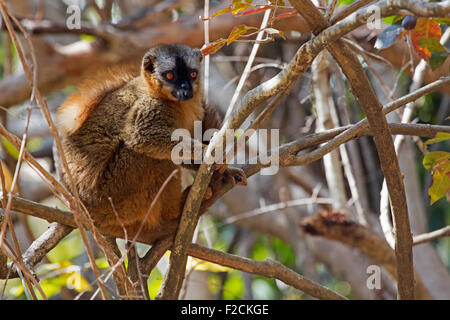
[(116, 134)]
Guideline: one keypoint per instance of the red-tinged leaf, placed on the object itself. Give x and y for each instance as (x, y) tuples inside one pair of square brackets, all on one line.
[(240, 7), (218, 13), (397, 19), (213, 47), (284, 15), (435, 158), (438, 52), (237, 32), (425, 29), (432, 44), (257, 10)]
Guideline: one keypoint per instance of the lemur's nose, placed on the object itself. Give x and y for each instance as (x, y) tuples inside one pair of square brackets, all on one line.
[(184, 85)]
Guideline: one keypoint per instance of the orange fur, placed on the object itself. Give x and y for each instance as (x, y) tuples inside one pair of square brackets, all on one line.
[(155, 89), (77, 108)]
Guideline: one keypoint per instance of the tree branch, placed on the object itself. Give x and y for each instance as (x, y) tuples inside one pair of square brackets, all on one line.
[(41, 246), (364, 93), (335, 226), (268, 268), (426, 237), (163, 238)]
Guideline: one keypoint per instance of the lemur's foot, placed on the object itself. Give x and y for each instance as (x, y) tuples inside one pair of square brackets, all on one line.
[(233, 176), (238, 175)]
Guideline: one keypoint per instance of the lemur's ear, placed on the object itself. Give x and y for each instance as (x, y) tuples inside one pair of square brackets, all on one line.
[(148, 62), (198, 54)]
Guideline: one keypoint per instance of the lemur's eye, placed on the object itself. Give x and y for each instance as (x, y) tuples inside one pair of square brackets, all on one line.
[(193, 74), (169, 75)]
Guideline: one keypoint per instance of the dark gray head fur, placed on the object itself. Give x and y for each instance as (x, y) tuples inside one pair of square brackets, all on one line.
[(178, 59)]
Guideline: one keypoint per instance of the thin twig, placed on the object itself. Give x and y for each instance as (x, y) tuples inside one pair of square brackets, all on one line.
[(426, 237), (333, 225), (267, 268), (79, 216), (207, 58), (348, 10), (330, 9), (276, 207), (248, 66)]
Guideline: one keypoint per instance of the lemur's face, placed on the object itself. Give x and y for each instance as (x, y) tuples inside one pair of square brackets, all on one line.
[(176, 68)]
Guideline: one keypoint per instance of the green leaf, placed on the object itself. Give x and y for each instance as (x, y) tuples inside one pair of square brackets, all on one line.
[(51, 288), (432, 44), (10, 148), (77, 282), (87, 37), (440, 136), (69, 248), (154, 283), (443, 20), (284, 252), (201, 265), (438, 52), (239, 132), (102, 263), (345, 2), (234, 287), (437, 59), (435, 157), (34, 144), (261, 252), (441, 183), (16, 290), (392, 19)]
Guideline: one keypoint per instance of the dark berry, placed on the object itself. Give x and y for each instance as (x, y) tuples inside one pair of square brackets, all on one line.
[(409, 22)]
